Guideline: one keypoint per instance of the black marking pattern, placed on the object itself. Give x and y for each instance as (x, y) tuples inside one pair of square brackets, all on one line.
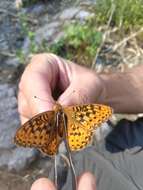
[(44, 132)]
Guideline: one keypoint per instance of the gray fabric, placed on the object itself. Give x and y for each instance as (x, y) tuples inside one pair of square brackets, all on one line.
[(117, 161)]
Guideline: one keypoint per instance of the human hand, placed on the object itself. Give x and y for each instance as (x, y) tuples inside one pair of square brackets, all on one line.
[(48, 72), (86, 182)]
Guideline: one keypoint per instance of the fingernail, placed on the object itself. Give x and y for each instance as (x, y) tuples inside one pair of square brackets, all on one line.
[(87, 181), (43, 184)]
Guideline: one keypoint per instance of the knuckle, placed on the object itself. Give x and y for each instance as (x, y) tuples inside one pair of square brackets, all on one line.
[(20, 109), (40, 56), (21, 103), (20, 85)]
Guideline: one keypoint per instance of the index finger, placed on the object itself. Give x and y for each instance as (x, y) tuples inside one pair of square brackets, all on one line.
[(37, 80)]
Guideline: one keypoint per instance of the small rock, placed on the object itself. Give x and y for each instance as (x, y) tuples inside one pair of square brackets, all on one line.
[(58, 36), (35, 10), (18, 4), (3, 90), (70, 13), (47, 32), (5, 156), (88, 3), (18, 159), (11, 92), (26, 46), (54, 24), (82, 15), (13, 62), (3, 43), (45, 19)]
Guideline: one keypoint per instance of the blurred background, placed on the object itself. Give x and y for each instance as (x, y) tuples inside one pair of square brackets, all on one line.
[(105, 35)]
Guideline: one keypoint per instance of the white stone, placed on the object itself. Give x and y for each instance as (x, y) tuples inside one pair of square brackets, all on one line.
[(82, 15), (69, 13)]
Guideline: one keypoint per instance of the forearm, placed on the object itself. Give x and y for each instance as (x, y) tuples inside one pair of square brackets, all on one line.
[(123, 91)]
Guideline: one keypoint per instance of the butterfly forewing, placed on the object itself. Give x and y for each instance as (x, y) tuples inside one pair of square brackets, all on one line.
[(51, 147), (91, 116), (37, 131), (82, 121)]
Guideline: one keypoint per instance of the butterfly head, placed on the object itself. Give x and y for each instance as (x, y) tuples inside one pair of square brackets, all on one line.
[(57, 107)]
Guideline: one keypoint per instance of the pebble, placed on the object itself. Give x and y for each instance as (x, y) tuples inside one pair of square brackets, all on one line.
[(69, 13)]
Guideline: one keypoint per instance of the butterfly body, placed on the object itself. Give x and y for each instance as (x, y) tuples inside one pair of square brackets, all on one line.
[(45, 131)]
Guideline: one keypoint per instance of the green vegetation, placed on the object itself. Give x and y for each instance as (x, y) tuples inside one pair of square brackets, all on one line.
[(26, 3), (79, 44), (81, 41), (127, 13), (25, 31)]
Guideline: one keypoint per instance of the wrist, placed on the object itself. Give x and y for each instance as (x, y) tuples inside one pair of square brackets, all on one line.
[(100, 91), (113, 91), (122, 91)]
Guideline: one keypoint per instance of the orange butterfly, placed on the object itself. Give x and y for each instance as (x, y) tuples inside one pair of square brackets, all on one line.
[(45, 131)]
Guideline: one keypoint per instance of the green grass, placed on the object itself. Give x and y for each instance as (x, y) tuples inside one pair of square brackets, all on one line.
[(79, 44), (128, 13), (27, 3), (81, 41)]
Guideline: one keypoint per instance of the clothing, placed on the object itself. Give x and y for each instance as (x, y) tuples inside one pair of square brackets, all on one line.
[(117, 161)]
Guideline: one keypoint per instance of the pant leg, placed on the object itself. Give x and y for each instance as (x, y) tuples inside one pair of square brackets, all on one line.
[(116, 162)]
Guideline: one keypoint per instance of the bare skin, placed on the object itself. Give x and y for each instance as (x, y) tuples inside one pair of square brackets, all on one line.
[(122, 91), (86, 182), (41, 77), (79, 85)]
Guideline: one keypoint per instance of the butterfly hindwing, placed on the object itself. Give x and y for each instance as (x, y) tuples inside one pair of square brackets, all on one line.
[(51, 148), (78, 137)]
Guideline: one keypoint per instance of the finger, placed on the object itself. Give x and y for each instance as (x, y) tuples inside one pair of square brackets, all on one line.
[(41, 90), (39, 79), (34, 84), (23, 119), (23, 108), (73, 96), (43, 184), (87, 182)]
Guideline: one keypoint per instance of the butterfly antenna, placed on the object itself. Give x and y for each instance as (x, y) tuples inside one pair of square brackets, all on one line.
[(46, 100), (50, 100), (69, 95), (74, 182)]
